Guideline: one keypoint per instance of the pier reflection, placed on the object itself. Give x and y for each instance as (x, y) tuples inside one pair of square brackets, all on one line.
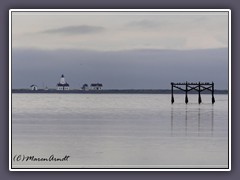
[(192, 121)]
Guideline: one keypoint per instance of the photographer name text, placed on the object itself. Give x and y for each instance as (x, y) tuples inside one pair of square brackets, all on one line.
[(51, 158)]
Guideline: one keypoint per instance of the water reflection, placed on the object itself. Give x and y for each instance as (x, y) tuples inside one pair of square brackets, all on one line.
[(192, 121)]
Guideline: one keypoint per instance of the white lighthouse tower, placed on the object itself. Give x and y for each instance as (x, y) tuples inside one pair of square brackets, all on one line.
[(62, 80), (62, 85)]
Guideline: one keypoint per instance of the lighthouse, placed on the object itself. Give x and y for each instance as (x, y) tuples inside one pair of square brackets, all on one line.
[(62, 85)]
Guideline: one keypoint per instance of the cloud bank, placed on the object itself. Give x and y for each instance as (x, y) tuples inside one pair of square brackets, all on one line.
[(143, 24), (73, 30)]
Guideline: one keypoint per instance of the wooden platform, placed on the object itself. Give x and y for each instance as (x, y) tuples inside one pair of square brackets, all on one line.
[(199, 87)]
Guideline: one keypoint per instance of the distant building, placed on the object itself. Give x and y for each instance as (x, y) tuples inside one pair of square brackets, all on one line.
[(85, 87), (96, 86), (34, 87), (62, 85)]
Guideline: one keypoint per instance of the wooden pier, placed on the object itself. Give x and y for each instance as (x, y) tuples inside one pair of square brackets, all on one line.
[(199, 87)]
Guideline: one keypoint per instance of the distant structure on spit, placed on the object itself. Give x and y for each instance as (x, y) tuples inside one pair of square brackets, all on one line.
[(62, 85), (93, 86), (85, 87), (96, 86), (34, 87)]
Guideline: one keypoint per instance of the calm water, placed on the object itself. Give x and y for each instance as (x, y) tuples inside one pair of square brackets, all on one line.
[(120, 130)]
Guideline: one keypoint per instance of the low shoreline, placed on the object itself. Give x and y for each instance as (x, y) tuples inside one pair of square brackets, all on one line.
[(115, 91)]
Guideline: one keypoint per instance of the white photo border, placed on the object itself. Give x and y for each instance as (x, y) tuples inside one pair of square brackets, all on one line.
[(119, 169)]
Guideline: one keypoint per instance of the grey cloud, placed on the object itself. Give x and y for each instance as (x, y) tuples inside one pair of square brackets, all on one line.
[(82, 29), (143, 24)]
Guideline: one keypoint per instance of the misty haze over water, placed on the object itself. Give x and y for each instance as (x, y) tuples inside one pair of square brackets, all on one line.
[(126, 69)]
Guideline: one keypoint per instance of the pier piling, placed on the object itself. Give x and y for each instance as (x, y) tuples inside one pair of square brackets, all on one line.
[(213, 99), (186, 91), (172, 95), (199, 93)]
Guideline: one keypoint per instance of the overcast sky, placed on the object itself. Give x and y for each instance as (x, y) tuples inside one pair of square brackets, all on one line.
[(119, 49)]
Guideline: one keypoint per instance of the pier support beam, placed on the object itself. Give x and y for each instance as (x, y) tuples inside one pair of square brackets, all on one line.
[(198, 86), (172, 100), (213, 99), (186, 97), (199, 94)]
